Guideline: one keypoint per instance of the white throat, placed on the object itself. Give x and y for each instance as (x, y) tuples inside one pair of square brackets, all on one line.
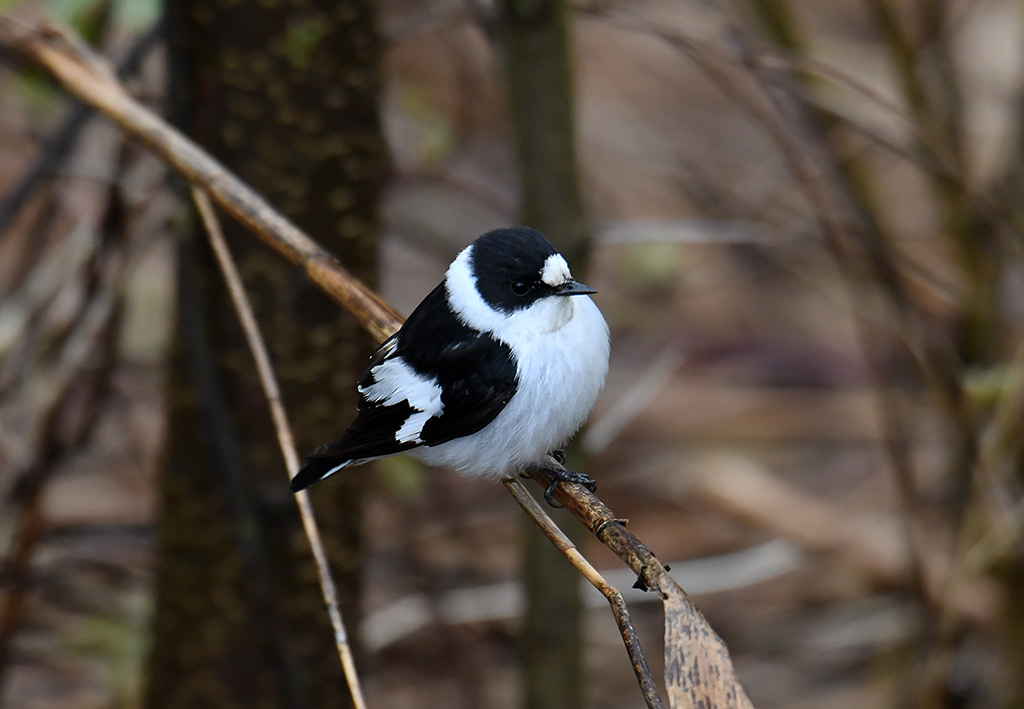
[(545, 315)]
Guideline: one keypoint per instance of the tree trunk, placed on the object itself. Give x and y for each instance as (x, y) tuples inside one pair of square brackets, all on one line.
[(287, 97), (535, 40)]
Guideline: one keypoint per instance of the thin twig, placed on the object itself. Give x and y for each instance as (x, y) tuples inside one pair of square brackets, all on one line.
[(615, 600), (43, 283), (1000, 532), (272, 392)]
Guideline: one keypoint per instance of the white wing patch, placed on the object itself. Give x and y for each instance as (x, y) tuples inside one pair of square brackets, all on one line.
[(336, 468), (394, 382), (412, 428)]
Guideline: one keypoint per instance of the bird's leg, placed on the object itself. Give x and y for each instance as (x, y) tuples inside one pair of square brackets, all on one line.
[(559, 474), (559, 455)]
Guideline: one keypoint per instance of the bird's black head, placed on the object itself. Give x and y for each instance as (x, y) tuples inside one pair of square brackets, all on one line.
[(514, 269)]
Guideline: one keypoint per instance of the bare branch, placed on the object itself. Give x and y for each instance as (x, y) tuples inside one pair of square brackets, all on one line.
[(272, 392), (698, 670), (615, 600)]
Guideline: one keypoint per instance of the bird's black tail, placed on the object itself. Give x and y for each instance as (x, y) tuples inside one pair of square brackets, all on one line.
[(316, 469)]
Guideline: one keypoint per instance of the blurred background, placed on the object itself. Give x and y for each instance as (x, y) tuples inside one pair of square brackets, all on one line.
[(805, 223)]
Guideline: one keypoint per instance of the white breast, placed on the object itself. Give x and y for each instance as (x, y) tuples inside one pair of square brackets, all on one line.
[(561, 346)]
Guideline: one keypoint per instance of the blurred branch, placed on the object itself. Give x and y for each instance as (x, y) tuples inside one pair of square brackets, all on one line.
[(808, 161), (272, 392), (411, 614), (686, 231), (948, 102), (57, 349), (42, 285), (997, 505), (940, 121), (936, 359), (81, 364), (57, 147), (871, 546), (927, 149), (87, 76), (905, 57), (941, 125), (973, 224), (698, 665)]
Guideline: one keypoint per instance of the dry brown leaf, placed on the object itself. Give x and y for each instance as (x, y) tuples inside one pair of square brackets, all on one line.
[(698, 670)]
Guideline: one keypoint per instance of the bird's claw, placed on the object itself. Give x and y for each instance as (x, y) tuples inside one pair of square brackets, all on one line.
[(565, 476)]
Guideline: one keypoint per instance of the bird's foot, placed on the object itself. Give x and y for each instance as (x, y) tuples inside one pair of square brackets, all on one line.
[(561, 475), (559, 455)]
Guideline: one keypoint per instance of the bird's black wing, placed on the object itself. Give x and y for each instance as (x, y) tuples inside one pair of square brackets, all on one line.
[(479, 380), (476, 375)]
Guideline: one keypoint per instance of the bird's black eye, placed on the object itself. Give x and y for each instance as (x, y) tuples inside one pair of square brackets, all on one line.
[(520, 288)]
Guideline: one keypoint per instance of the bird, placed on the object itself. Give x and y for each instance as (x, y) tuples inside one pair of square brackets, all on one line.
[(495, 369)]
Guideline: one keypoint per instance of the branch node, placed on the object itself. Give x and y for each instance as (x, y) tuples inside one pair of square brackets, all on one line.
[(612, 520)]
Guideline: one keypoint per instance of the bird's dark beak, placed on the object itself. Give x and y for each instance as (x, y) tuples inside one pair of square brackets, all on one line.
[(572, 287)]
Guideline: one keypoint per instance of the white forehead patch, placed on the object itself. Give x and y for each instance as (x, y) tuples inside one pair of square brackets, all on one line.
[(555, 271)]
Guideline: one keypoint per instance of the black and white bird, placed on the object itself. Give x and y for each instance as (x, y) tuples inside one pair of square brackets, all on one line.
[(495, 369)]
